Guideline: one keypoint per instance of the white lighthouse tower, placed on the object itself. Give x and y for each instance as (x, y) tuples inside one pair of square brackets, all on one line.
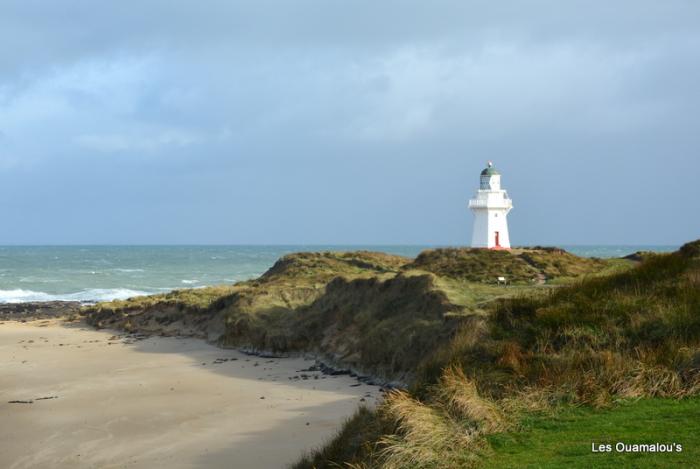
[(490, 206)]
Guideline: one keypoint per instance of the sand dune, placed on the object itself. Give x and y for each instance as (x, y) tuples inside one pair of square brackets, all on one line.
[(100, 399)]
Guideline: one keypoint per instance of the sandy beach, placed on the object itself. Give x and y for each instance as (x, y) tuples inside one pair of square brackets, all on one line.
[(72, 396)]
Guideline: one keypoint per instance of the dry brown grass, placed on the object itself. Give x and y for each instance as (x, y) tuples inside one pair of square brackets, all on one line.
[(446, 432), (598, 377), (426, 437), (472, 331), (459, 396), (529, 400)]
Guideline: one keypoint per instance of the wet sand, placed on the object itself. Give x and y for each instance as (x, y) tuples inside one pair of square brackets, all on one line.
[(100, 399)]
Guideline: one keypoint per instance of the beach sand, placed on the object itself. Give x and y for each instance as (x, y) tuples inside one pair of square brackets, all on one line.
[(114, 400)]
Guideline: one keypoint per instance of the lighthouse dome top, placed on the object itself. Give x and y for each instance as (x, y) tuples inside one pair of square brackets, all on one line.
[(490, 170)]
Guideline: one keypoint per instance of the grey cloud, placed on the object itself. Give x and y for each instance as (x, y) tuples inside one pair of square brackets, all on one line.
[(346, 121)]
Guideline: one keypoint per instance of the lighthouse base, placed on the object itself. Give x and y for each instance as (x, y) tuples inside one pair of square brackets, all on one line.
[(490, 229)]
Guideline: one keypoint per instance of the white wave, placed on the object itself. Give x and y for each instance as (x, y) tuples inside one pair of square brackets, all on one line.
[(128, 271), (19, 296), (91, 295), (189, 282), (106, 294)]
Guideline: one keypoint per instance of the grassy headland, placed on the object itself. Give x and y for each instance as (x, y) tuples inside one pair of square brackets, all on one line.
[(480, 360), (375, 313), (527, 377)]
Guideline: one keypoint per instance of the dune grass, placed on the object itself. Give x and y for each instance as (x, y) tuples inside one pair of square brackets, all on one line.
[(194, 299)]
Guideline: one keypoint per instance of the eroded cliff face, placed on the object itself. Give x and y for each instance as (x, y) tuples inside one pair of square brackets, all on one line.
[(373, 313), (160, 319), (382, 327), (259, 315)]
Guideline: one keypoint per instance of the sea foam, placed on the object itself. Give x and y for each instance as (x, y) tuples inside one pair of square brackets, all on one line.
[(90, 295)]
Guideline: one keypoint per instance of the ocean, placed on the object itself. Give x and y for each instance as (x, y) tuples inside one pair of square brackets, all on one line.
[(101, 273)]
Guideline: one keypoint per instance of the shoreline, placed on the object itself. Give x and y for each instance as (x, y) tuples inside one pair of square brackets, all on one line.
[(243, 411)]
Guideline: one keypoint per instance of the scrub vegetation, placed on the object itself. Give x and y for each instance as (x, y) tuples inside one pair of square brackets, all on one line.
[(480, 364), (523, 384)]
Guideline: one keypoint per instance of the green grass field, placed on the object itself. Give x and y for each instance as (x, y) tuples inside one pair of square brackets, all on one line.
[(565, 440)]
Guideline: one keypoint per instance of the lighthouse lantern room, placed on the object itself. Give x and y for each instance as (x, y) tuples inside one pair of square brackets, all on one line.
[(490, 206)]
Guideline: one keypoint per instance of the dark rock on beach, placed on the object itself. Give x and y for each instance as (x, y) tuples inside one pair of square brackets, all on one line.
[(38, 310)]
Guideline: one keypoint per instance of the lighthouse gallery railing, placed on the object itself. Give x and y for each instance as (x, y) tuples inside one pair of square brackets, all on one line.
[(505, 203)]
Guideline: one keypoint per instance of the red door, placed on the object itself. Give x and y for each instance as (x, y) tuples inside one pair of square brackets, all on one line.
[(498, 241)]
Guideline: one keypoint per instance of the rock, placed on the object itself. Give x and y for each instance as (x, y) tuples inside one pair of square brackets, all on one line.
[(38, 310), (395, 385)]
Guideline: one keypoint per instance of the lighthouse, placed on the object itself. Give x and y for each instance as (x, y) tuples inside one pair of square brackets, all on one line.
[(490, 206)]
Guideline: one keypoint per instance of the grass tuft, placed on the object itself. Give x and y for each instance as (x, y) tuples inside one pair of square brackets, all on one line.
[(426, 437)]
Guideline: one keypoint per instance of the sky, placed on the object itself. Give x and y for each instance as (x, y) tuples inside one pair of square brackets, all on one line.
[(347, 122)]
